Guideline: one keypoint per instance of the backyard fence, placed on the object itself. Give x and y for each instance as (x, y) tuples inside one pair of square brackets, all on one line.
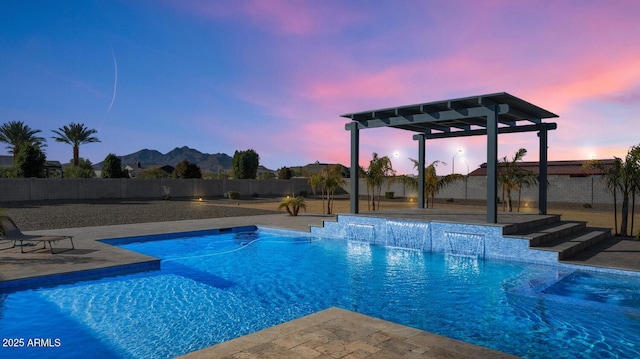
[(561, 189)]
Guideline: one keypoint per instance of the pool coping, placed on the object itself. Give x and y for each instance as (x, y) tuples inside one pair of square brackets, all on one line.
[(339, 333)]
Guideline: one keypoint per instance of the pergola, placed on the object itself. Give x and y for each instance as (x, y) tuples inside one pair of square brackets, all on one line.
[(488, 115)]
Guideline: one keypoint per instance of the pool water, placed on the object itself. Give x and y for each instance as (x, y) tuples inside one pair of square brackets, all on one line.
[(213, 288)]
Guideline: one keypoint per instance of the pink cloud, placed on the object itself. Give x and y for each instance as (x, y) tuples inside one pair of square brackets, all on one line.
[(560, 56)]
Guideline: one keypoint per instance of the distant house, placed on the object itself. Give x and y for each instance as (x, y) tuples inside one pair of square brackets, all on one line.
[(136, 169), (554, 168), (50, 167), (6, 161)]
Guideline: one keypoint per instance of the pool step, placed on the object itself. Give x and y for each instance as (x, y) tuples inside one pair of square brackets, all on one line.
[(564, 237), (531, 225), (568, 246), (547, 233)]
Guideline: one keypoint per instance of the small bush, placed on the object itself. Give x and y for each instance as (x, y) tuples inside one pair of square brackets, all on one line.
[(255, 195), (586, 205), (233, 195), (389, 195), (302, 193), (449, 200)]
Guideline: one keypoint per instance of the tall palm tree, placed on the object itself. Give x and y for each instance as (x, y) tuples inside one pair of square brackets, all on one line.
[(380, 168), (611, 176), (318, 180), (75, 134), (16, 134), (432, 183), (634, 158), (513, 178), (333, 180)]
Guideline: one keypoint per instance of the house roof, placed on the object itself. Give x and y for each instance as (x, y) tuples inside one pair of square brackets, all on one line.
[(6, 161), (571, 168)]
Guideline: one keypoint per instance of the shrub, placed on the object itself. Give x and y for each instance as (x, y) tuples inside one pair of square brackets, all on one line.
[(245, 164), (266, 175), (302, 193), (233, 195), (186, 169), (388, 195), (284, 173), (586, 205), (112, 167), (84, 169), (8, 172), (29, 162), (154, 173)]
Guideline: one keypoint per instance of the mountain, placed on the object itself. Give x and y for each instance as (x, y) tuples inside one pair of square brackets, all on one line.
[(206, 162)]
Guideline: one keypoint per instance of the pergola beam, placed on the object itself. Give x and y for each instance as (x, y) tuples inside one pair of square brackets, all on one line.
[(422, 118), (483, 131)]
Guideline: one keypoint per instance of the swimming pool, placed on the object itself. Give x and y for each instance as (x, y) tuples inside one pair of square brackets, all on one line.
[(212, 288)]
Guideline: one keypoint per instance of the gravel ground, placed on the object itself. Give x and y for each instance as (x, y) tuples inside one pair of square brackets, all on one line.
[(31, 216)]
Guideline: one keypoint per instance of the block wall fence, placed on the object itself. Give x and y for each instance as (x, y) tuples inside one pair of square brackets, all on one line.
[(39, 189), (561, 189), (578, 190)]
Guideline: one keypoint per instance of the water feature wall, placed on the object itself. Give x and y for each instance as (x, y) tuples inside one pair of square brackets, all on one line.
[(473, 240)]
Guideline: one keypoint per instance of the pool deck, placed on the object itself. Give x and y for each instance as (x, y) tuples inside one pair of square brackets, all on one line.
[(333, 333)]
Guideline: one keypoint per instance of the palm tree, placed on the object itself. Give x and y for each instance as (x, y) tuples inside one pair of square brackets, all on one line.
[(432, 183), (634, 157), (611, 176), (75, 134), (17, 134), (512, 177), (380, 168), (293, 205), (333, 180)]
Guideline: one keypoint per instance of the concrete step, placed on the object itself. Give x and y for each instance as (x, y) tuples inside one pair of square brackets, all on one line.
[(539, 236), (529, 226), (570, 245)]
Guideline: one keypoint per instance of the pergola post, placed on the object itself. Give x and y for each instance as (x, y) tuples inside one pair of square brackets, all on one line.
[(492, 166), (421, 160), (355, 167), (542, 171)]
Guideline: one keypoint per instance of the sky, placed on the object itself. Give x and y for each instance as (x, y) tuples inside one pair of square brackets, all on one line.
[(275, 75)]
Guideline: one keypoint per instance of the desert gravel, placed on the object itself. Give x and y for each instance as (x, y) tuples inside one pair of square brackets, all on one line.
[(65, 214)]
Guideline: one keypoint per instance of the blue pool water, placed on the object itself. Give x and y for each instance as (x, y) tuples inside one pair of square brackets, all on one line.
[(213, 288)]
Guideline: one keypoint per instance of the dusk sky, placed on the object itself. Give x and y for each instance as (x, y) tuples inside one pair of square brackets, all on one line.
[(275, 76)]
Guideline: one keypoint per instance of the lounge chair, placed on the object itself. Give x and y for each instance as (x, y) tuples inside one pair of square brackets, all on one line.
[(12, 233)]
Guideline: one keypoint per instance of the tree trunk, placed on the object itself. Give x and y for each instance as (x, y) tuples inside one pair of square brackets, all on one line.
[(509, 206), (76, 156), (519, 196), (615, 212), (633, 210), (625, 214)]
